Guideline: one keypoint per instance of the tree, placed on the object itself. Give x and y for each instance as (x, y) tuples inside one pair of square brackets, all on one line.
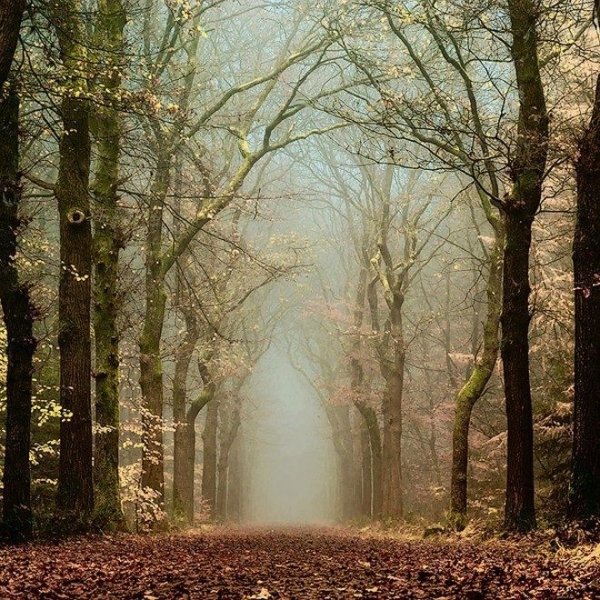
[(108, 242), (17, 307), (476, 149), (473, 388), (528, 170), (268, 108), (11, 15), (585, 484), (19, 314), (210, 459), (75, 483)]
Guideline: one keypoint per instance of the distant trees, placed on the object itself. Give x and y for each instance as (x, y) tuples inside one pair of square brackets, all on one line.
[(145, 147), (462, 135), (268, 110)]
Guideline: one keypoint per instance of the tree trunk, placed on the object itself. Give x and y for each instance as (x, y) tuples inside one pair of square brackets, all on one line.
[(18, 313), (151, 383), (372, 425), (347, 487), (151, 373), (186, 447), (520, 511), (527, 171), (75, 487), (182, 507), (474, 387), (392, 442), (11, 15), (108, 241), (585, 484), (183, 504), (341, 432), (222, 485), (366, 469), (230, 425), (75, 497), (209, 464), (185, 474), (235, 484)]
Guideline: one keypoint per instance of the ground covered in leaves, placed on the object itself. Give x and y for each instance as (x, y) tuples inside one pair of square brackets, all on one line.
[(277, 564)]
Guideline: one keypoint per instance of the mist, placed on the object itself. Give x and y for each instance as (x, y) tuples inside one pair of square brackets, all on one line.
[(299, 274)]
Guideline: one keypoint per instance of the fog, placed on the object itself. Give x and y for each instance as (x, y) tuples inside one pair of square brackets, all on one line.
[(291, 468), (265, 273)]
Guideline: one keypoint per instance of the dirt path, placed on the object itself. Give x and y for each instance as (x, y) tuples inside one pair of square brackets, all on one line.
[(283, 564)]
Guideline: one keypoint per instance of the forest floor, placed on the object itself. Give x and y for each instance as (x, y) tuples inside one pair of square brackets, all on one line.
[(277, 564)]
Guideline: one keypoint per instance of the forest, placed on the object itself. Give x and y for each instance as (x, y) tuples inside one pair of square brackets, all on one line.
[(300, 299)]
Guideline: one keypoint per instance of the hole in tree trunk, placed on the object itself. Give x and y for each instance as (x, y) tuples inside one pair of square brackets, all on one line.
[(76, 216)]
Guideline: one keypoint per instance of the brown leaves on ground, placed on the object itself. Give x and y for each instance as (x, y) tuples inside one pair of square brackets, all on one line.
[(271, 565)]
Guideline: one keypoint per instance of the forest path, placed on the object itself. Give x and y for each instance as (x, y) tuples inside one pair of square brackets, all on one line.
[(278, 564)]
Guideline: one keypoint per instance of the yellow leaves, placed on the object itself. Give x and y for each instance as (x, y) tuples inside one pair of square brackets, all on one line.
[(199, 29), (3, 359), (47, 412), (264, 594), (72, 270)]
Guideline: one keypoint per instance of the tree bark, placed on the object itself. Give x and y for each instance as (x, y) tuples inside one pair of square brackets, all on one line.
[(151, 373), (186, 447), (527, 172), (18, 314), (372, 469), (347, 487), (11, 15), (376, 501), (209, 464), (520, 511), (392, 436), (185, 475), (474, 387), (229, 430), (585, 483), (108, 241), (75, 496), (182, 507), (341, 431), (235, 484), (366, 488)]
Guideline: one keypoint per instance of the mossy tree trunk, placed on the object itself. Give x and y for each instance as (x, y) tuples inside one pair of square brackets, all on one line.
[(520, 207), (18, 313), (474, 387), (392, 420), (183, 507), (151, 373), (75, 498), (108, 242), (209, 463), (186, 450)]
